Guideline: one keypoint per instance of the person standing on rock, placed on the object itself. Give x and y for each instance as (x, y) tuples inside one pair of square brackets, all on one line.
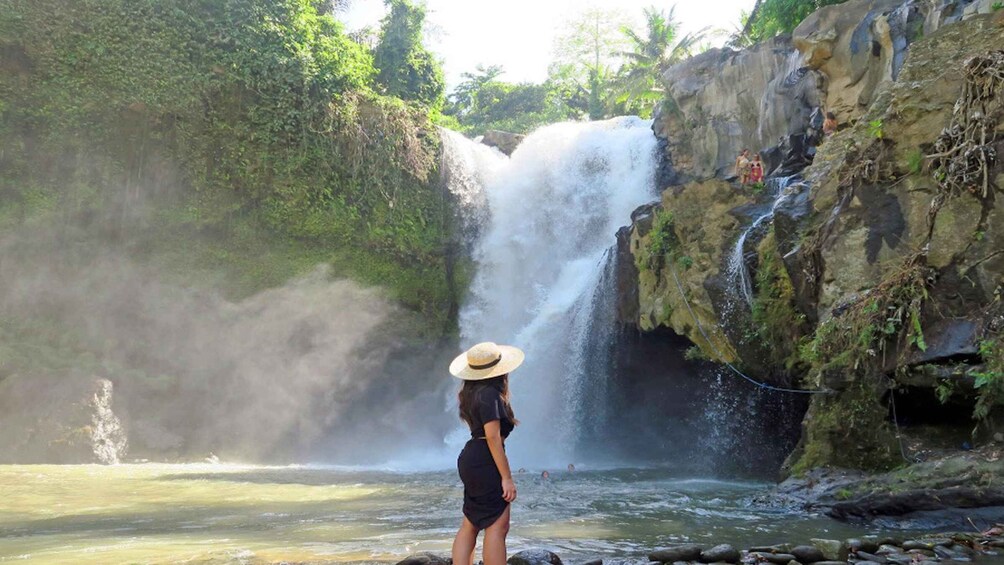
[(743, 167), (483, 465), (756, 170)]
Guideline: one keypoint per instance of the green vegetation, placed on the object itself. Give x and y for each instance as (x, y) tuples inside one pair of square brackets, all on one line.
[(407, 69), (770, 18), (775, 318), (636, 87), (915, 161), (860, 338), (602, 67), (247, 137), (662, 242), (989, 381), (482, 102), (997, 6), (875, 128)]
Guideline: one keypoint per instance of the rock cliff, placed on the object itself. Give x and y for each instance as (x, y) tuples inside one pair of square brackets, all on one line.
[(871, 265)]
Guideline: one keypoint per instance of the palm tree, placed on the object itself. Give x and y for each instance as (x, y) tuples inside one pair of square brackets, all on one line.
[(639, 80)]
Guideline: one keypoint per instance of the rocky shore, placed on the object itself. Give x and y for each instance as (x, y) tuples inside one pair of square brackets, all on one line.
[(867, 550)]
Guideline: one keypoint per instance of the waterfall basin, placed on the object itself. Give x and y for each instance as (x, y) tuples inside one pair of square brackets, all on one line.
[(160, 513)]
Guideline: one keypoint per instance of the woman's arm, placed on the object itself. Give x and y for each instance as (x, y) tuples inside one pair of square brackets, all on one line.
[(493, 435)]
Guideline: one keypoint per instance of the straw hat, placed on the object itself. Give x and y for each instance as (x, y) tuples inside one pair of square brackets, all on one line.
[(486, 360)]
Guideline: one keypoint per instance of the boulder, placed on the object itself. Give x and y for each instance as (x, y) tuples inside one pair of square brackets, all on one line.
[(504, 141), (832, 550), (534, 557), (724, 553), (687, 552), (426, 559), (807, 554)]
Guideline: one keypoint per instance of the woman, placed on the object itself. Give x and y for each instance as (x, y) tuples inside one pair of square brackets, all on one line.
[(743, 167), (483, 466), (756, 170)]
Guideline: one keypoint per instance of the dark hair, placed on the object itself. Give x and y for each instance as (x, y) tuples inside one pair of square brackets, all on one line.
[(467, 398), (830, 116)]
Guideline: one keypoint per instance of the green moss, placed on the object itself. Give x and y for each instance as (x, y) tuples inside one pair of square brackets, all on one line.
[(776, 320), (847, 430)]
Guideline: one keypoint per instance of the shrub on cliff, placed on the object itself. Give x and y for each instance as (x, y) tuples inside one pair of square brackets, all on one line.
[(222, 118)]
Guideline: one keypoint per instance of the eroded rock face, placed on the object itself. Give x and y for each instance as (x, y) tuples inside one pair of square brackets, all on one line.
[(723, 101), (892, 71)]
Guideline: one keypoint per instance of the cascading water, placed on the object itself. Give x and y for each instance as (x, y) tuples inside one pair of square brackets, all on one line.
[(737, 272), (542, 258)]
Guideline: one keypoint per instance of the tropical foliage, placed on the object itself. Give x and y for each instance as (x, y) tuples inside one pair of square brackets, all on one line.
[(636, 87), (233, 121), (770, 18)]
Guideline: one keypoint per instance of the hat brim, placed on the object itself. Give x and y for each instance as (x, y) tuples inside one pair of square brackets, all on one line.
[(512, 357)]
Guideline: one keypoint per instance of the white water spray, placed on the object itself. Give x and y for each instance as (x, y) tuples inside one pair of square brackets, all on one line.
[(554, 209), (736, 269)]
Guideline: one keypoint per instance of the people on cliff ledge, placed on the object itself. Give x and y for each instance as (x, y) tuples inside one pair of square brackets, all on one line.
[(829, 124), (743, 167), (756, 170)]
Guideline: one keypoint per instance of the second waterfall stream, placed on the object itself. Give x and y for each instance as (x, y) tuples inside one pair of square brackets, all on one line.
[(548, 217)]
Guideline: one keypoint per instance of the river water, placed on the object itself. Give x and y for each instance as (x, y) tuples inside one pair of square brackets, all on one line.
[(159, 513)]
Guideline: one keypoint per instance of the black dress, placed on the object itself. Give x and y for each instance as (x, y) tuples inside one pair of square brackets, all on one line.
[(483, 502)]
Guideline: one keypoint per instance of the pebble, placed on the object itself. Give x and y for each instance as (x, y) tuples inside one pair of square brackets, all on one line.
[(916, 544)]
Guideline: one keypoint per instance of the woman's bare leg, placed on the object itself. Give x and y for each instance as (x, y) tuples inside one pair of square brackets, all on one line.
[(494, 550), (463, 544)]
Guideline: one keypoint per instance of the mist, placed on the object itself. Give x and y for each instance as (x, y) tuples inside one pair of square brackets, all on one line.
[(309, 371)]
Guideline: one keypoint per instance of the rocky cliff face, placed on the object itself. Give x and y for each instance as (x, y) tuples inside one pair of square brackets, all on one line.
[(876, 273)]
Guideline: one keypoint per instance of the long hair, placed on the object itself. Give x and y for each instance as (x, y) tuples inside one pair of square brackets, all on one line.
[(467, 398)]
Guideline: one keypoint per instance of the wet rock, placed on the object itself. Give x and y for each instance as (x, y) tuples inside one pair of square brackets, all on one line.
[(886, 549), (426, 559), (676, 553), (922, 552), (778, 558), (830, 563), (866, 555), (720, 553), (911, 545), (504, 141), (534, 557), (594, 562), (778, 548), (807, 554), (858, 545), (833, 550), (900, 559)]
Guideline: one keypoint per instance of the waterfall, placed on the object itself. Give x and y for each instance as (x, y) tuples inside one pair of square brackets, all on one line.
[(108, 439), (543, 256), (736, 271)]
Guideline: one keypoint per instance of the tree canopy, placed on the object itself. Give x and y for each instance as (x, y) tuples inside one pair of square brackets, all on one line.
[(405, 68)]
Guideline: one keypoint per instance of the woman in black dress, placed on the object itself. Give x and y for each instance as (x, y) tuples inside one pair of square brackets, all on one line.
[(483, 466)]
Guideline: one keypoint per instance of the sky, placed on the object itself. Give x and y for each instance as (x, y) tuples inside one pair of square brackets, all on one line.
[(520, 34)]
